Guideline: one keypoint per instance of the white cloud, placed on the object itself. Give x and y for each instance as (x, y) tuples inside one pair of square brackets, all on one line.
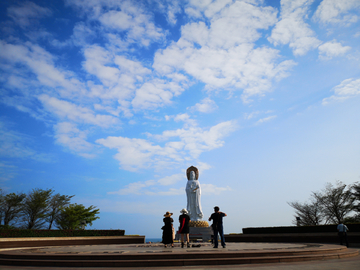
[(155, 93), (138, 26), (292, 29), (170, 192), (197, 140), (135, 207), (16, 145), (35, 60), (173, 7), (332, 49), (134, 188), (182, 117), (170, 180), (202, 166), (212, 189), (7, 172), (241, 67), (68, 135), (335, 11), (113, 71), (67, 110), (135, 153), (27, 13), (248, 116), (126, 81), (147, 187), (221, 57), (206, 105), (122, 16), (208, 7), (151, 187), (266, 119), (132, 153), (345, 90), (82, 34)]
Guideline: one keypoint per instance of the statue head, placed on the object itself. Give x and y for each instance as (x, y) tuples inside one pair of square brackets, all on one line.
[(192, 170)]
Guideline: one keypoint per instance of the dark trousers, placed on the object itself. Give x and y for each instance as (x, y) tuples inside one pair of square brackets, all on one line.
[(219, 230), (342, 236)]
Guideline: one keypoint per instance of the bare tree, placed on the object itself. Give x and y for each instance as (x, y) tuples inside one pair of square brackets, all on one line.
[(356, 193), (309, 213), (11, 206), (36, 208), (57, 202), (337, 201)]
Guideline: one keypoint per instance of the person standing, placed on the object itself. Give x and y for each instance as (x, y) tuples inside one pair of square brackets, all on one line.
[(342, 231), (217, 218), (167, 236), (184, 220)]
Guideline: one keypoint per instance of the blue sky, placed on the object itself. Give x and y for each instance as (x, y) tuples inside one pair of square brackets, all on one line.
[(111, 101)]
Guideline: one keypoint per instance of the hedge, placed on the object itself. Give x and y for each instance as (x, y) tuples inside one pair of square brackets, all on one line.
[(300, 229), (6, 233)]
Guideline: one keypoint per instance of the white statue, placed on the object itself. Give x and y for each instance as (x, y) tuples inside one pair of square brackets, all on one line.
[(193, 193)]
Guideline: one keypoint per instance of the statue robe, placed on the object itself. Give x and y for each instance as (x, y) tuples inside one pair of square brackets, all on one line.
[(193, 193)]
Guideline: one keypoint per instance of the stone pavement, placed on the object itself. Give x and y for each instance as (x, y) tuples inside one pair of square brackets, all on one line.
[(343, 264)]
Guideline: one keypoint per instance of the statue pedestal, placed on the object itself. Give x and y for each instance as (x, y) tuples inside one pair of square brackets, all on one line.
[(203, 233)]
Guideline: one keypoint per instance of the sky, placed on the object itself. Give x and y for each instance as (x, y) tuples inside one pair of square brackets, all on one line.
[(111, 101)]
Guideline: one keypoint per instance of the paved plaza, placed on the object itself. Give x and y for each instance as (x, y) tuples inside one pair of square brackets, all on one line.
[(156, 248), (159, 248)]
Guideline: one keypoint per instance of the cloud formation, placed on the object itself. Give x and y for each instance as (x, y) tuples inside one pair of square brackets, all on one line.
[(292, 28), (151, 187), (27, 13), (17, 145), (333, 11), (206, 105), (332, 49), (134, 153), (217, 55), (346, 89), (129, 69)]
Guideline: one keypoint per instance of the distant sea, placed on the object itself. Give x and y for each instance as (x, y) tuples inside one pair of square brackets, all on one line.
[(153, 240)]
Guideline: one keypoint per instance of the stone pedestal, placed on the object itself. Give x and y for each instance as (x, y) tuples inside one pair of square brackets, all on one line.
[(203, 233), (195, 233)]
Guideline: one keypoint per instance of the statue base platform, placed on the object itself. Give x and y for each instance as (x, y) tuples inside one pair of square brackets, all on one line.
[(198, 233), (203, 233)]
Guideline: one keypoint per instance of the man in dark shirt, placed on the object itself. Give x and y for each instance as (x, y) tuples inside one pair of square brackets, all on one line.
[(218, 226)]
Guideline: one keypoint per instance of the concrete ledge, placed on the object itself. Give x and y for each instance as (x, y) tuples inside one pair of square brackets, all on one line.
[(69, 241), (354, 238)]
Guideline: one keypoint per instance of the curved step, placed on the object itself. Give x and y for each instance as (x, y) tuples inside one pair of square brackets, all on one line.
[(179, 258)]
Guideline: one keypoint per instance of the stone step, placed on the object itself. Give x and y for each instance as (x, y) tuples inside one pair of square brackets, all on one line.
[(179, 259)]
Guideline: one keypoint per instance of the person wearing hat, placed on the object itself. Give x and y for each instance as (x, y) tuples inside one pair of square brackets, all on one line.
[(184, 220), (167, 236)]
